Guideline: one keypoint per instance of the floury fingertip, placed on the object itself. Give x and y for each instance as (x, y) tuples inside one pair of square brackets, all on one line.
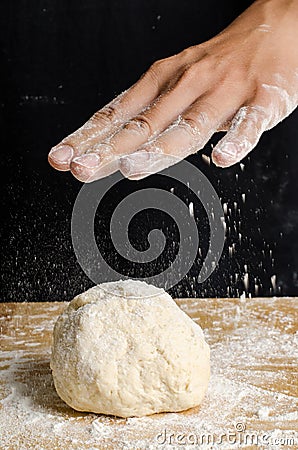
[(89, 160), (225, 155), (62, 154), (135, 163)]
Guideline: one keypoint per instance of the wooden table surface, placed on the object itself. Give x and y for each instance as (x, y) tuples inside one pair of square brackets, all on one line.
[(251, 400)]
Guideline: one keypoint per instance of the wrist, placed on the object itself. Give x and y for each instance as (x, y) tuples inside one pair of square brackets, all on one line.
[(273, 14)]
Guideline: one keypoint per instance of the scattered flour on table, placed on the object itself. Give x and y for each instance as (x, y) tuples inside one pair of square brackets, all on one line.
[(30, 407)]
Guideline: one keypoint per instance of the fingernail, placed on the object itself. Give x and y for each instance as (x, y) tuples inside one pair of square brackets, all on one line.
[(89, 160), (62, 154), (134, 163), (228, 149)]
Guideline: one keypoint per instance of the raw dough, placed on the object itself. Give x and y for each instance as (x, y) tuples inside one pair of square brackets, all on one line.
[(126, 349)]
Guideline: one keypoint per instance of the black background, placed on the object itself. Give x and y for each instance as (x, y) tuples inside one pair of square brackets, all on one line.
[(60, 62)]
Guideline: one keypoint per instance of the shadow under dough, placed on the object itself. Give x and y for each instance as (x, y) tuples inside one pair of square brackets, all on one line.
[(32, 380)]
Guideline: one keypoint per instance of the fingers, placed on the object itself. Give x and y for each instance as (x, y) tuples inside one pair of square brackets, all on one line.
[(147, 125), (271, 104), (98, 126), (108, 119), (141, 128), (93, 166), (187, 135), (246, 129)]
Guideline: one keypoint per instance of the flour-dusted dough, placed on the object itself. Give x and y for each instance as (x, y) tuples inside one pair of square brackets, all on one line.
[(126, 349)]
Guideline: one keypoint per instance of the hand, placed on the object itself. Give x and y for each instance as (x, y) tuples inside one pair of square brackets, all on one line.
[(244, 81)]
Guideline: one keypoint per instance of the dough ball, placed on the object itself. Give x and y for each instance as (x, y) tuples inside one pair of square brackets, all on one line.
[(125, 348)]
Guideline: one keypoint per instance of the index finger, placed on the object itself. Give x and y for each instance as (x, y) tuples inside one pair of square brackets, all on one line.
[(106, 121)]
